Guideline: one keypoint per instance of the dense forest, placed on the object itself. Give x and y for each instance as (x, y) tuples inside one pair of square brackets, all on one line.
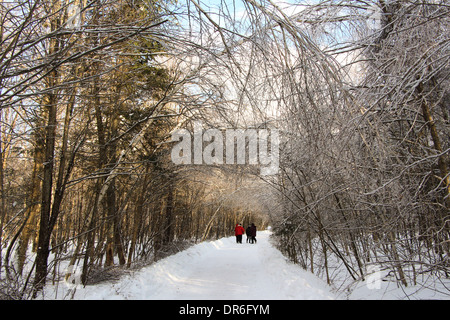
[(92, 92)]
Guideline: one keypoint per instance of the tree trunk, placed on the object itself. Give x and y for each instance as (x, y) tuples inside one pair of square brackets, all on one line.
[(442, 161), (44, 227), (34, 202), (168, 228)]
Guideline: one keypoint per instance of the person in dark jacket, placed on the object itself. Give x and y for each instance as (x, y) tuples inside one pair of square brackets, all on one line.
[(238, 232), (253, 233), (248, 232)]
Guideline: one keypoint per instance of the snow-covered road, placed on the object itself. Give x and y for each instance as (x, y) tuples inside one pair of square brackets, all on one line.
[(219, 270)]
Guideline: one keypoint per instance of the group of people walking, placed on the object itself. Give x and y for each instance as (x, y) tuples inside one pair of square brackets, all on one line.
[(250, 232)]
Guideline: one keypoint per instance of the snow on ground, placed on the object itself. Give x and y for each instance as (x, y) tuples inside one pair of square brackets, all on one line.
[(215, 270), (428, 287)]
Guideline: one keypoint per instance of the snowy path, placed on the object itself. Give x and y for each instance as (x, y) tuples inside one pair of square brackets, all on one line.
[(218, 270)]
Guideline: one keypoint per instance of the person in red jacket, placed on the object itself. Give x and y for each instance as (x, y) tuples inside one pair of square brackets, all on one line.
[(238, 232)]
